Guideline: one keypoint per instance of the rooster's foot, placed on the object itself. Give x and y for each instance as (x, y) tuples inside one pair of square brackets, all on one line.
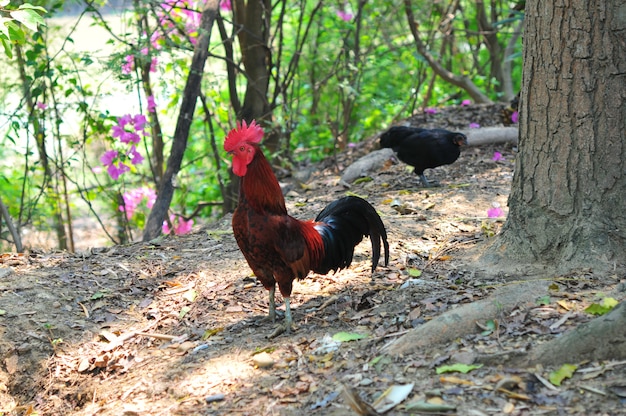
[(284, 328)]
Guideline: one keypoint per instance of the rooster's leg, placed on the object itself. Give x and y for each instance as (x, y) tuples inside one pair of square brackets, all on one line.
[(272, 316), (287, 324), (288, 320)]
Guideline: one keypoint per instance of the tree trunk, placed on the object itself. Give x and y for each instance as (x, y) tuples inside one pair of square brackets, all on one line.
[(566, 206), (253, 19), (181, 133)]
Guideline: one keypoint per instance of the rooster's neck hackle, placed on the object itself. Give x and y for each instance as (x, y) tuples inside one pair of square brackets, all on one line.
[(260, 187)]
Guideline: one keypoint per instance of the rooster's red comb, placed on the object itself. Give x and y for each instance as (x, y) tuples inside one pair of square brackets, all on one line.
[(252, 133)]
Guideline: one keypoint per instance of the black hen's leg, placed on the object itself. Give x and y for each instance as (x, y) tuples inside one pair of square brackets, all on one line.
[(426, 183)]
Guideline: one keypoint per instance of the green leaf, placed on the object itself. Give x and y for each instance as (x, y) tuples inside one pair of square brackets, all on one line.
[(190, 295), (31, 7), (491, 326), (603, 307), (363, 179), (7, 47), (28, 18), (183, 311), (97, 295), (415, 272), (544, 300), (459, 368), (566, 371), (347, 336)]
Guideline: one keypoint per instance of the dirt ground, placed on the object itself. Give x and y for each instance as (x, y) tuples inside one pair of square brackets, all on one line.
[(173, 327)]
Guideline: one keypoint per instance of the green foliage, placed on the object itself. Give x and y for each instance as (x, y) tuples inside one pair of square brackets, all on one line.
[(338, 76), (12, 19)]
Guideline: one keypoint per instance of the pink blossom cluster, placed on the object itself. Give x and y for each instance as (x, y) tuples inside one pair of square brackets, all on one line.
[(134, 197), (180, 225), (129, 62), (345, 15), (187, 12), (128, 130)]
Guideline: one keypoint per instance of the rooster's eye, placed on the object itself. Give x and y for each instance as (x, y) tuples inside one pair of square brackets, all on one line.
[(241, 149)]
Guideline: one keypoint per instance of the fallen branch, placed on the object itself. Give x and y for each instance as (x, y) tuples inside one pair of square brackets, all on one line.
[(491, 135)]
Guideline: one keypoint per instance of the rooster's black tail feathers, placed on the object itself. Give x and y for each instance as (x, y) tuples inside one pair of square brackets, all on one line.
[(342, 225)]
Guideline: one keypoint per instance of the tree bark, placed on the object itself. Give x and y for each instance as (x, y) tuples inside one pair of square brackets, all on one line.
[(185, 117), (569, 187)]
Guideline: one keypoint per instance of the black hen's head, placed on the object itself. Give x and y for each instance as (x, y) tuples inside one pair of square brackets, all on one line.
[(458, 139)]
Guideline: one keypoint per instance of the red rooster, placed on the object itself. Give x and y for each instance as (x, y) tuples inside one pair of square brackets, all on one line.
[(280, 248)]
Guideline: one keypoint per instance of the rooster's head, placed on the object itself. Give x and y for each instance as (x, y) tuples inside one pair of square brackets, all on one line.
[(242, 142)]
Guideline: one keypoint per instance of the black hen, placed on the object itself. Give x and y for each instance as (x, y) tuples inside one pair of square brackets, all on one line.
[(423, 148)]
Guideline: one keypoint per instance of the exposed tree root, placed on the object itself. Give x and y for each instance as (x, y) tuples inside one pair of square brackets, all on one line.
[(604, 338), (462, 320)]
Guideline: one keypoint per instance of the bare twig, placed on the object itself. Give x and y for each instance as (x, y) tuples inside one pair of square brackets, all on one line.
[(17, 240)]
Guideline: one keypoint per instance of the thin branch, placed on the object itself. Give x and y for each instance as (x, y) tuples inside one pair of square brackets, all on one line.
[(17, 240), (460, 81)]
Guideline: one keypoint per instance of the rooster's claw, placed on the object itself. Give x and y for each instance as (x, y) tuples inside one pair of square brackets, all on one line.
[(282, 329)]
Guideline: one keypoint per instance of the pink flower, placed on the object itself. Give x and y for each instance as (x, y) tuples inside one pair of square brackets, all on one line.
[(108, 157), (134, 155), (226, 6), (151, 104), (497, 157), (127, 66), (515, 116), (344, 15), (115, 171), (124, 120), (180, 225), (156, 40), (134, 197), (183, 226), (430, 110), (153, 64), (474, 126), (41, 106), (140, 122), (495, 211), (129, 137), (465, 103), (123, 128)]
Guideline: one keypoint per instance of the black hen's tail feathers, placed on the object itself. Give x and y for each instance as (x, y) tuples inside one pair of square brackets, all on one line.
[(343, 224)]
